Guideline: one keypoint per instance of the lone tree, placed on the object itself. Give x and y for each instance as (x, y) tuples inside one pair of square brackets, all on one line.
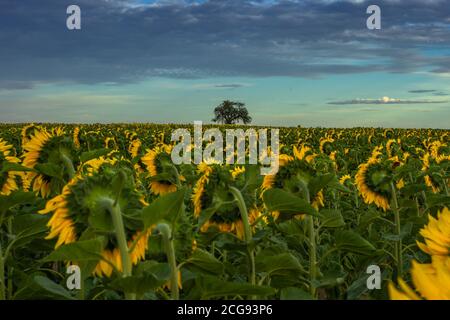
[(229, 112)]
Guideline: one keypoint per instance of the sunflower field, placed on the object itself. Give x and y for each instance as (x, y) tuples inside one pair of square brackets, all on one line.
[(108, 200)]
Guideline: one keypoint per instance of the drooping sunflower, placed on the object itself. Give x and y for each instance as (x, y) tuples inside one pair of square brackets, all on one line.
[(73, 209), (76, 137), (158, 163), (8, 180), (390, 149), (439, 151), (325, 145), (429, 179), (110, 142), (432, 280), (345, 178), (292, 171), (27, 132), (47, 147), (373, 181), (212, 188), (269, 180), (134, 147)]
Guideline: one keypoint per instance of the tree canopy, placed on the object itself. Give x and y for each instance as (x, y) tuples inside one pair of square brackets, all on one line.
[(230, 112)]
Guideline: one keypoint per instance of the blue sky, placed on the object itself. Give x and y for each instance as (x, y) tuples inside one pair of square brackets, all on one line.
[(309, 63)]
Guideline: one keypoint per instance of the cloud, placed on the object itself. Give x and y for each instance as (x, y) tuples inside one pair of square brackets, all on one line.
[(421, 91), (441, 94), (230, 85), (212, 86), (126, 42), (384, 100)]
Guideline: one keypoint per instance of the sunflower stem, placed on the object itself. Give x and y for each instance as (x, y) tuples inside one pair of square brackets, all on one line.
[(119, 228), (312, 255), (415, 197), (177, 176), (68, 163), (312, 243), (166, 233), (445, 186), (10, 269), (398, 243), (247, 233), (123, 178), (2, 274), (425, 200)]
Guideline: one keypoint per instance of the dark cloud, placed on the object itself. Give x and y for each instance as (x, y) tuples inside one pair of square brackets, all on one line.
[(441, 94), (123, 43)]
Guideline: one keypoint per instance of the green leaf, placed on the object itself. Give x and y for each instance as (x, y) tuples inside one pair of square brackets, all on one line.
[(166, 207), (292, 293), (78, 251), (27, 227), (331, 279), (413, 189), (330, 218), (319, 182), (278, 264), (336, 185), (148, 277), (89, 155), (16, 198), (350, 241), (49, 169), (404, 232), (8, 166), (252, 176), (205, 261), (209, 287), (55, 289), (367, 218), (280, 200), (206, 214)]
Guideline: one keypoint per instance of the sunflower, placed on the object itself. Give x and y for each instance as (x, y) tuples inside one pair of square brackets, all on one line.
[(437, 234), (291, 170), (305, 153), (389, 146), (76, 134), (212, 188), (134, 147), (157, 162), (43, 147), (431, 281), (237, 171), (8, 182), (72, 209), (345, 178), (325, 145), (371, 182), (269, 180), (199, 189), (27, 132), (400, 184), (110, 143), (437, 150), (429, 180)]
